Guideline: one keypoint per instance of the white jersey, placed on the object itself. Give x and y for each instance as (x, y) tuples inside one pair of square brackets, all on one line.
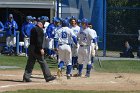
[(75, 29), (94, 33), (46, 25), (64, 35), (85, 36)]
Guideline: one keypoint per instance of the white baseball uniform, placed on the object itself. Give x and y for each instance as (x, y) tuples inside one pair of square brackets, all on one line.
[(64, 36), (94, 45), (74, 48), (84, 39), (45, 41)]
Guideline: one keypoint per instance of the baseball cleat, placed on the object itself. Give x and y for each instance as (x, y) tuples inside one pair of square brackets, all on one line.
[(77, 75), (87, 75), (68, 77), (59, 73)]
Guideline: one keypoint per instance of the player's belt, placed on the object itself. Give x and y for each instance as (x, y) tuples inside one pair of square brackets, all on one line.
[(83, 45), (63, 44)]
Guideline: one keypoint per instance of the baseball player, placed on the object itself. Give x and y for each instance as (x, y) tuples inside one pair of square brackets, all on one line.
[(79, 22), (34, 21), (64, 36), (1, 28), (84, 53), (26, 30), (10, 28), (75, 28), (50, 33), (94, 44)]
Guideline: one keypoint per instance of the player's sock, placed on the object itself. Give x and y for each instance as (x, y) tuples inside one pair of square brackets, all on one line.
[(88, 70), (80, 69), (26, 52), (49, 52), (61, 64), (20, 48), (75, 60), (69, 67), (72, 61), (11, 49), (92, 60)]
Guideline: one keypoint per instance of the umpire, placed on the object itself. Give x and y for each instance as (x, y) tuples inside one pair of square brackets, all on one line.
[(36, 52)]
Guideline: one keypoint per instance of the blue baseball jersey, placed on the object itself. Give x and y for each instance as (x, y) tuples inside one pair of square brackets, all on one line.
[(1, 28), (11, 28), (26, 28), (51, 30)]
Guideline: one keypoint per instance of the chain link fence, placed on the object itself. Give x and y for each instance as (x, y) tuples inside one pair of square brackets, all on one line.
[(123, 24)]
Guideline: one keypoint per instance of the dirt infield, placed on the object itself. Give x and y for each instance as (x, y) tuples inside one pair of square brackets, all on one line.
[(12, 80)]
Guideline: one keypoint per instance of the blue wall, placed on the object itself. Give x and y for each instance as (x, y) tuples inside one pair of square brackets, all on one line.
[(93, 10)]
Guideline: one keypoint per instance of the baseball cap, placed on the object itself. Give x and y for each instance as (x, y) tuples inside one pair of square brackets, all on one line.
[(65, 23), (85, 21), (55, 19), (11, 15)]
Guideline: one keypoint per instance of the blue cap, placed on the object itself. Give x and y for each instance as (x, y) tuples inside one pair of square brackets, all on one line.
[(28, 17), (65, 23), (78, 21), (68, 18), (45, 18), (55, 19), (73, 17), (84, 20)]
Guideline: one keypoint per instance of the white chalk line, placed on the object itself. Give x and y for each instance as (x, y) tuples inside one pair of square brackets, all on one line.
[(10, 75), (6, 86)]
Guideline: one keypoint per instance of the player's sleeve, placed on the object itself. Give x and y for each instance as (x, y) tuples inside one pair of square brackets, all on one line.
[(48, 30), (56, 37), (1, 26), (6, 26), (15, 25), (73, 37), (23, 29), (95, 38)]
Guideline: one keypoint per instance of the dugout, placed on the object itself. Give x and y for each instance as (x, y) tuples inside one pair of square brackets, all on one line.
[(21, 8)]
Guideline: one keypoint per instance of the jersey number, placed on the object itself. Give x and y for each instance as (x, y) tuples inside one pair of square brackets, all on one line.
[(64, 35)]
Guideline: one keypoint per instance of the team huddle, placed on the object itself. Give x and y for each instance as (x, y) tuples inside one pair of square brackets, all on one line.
[(73, 42)]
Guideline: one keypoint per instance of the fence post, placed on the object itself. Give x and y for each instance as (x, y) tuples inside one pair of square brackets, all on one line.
[(17, 42), (104, 28), (57, 8)]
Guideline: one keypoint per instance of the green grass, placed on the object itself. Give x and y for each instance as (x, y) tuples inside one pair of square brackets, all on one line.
[(21, 62), (68, 91), (117, 66), (111, 66)]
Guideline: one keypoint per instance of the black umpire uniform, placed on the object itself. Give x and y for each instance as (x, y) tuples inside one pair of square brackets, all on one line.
[(36, 52)]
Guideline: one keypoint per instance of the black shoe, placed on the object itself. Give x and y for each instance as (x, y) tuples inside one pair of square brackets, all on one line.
[(27, 80), (87, 75), (50, 78)]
